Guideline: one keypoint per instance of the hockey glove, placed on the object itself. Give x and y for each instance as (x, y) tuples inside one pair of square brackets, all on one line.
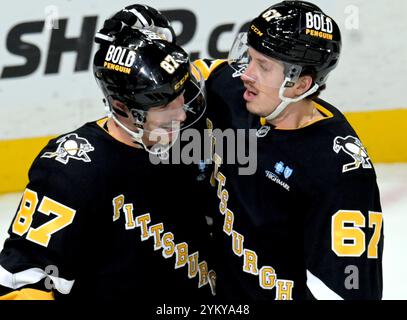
[(136, 16)]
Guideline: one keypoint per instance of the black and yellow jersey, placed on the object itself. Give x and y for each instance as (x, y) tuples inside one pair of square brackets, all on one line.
[(308, 223), (98, 221)]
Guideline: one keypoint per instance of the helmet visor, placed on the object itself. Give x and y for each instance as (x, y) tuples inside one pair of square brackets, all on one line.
[(187, 108), (258, 69)]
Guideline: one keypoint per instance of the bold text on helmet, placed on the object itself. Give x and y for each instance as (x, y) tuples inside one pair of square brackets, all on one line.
[(318, 22), (116, 67), (120, 56), (319, 34)]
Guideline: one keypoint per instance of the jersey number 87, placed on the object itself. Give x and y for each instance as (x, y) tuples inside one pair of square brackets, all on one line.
[(42, 234)]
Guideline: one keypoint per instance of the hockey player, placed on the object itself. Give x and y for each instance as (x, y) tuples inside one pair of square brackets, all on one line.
[(98, 220), (308, 223)]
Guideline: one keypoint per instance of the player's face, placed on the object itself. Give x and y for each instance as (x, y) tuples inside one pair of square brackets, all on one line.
[(262, 80), (163, 122)]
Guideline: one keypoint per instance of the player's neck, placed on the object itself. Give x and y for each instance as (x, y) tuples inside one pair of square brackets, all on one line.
[(120, 135), (297, 115)]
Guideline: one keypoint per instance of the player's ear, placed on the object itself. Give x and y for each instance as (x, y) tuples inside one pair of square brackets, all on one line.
[(303, 84)]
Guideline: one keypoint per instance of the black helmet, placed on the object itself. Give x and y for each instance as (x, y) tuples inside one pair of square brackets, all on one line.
[(299, 33), (141, 70)]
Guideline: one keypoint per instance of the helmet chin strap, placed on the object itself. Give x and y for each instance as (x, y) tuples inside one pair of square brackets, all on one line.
[(286, 101), (137, 136)]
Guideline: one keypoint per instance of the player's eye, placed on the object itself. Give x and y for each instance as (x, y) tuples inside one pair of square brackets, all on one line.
[(264, 67)]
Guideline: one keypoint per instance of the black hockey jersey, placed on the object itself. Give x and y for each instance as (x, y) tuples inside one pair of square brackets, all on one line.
[(308, 223), (98, 220)]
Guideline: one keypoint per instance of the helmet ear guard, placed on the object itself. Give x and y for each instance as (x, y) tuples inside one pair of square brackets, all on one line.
[(139, 116)]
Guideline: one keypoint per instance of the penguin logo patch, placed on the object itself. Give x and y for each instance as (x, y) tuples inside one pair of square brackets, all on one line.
[(353, 147), (71, 146)]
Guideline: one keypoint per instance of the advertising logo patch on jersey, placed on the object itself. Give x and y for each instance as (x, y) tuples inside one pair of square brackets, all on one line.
[(353, 147), (71, 146), (287, 172), (280, 170)]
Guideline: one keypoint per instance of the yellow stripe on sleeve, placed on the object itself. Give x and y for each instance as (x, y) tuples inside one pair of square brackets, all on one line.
[(28, 294), (207, 67)]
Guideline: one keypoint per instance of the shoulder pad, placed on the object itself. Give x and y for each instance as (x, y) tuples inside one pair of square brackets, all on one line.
[(207, 66)]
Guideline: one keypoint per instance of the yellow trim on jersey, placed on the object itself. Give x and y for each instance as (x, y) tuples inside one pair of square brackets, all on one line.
[(205, 68), (101, 123), (383, 133), (327, 114), (28, 294)]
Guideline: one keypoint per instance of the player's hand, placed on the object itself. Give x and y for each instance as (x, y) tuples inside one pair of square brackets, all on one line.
[(136, 16)]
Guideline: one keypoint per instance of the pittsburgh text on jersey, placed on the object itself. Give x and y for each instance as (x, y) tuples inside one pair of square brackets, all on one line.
[(165, 241)]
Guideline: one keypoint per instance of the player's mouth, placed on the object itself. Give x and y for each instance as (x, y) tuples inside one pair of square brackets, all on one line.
[(250, 93)]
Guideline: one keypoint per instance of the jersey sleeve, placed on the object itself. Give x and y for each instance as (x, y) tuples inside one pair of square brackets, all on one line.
[(344, 238), (207, 67), (41, 256)]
